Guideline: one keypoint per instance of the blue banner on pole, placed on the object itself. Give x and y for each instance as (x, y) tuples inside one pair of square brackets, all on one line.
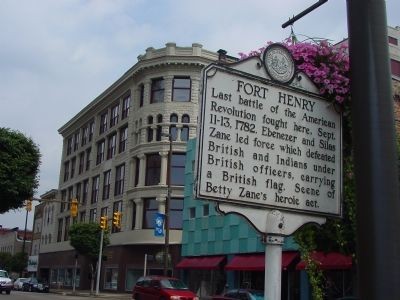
[(159, 224)]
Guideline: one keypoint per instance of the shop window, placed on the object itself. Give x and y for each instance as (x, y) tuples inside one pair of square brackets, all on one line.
[(111, 279)]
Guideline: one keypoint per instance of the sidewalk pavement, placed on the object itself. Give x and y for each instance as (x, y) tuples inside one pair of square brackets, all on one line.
[(86, 293)]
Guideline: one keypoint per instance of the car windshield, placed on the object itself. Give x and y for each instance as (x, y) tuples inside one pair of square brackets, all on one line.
[(257, 295), (3, 274), (173, 284)]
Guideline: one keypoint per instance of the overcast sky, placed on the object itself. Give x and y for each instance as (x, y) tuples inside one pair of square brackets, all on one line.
[(57, 56)]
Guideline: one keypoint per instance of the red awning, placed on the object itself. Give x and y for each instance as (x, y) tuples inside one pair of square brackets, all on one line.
[(329, 261), (256, 262), (203, 262)]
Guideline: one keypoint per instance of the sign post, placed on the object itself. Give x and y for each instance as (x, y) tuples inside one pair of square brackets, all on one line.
[(269, 148)]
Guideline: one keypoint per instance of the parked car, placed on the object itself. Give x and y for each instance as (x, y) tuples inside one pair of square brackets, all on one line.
[(5, 282), (242, 294), (35, 285), (161, 287), (17, 285)]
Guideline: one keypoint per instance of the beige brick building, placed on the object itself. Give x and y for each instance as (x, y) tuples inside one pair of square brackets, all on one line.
[(115, 158)]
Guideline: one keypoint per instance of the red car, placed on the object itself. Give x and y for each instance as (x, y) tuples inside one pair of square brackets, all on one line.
[(161, 288)]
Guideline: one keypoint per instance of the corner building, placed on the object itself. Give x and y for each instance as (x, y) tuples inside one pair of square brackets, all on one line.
[(115, 158)]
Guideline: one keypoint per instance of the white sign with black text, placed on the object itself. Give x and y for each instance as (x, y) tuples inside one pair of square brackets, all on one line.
[(268, 145)]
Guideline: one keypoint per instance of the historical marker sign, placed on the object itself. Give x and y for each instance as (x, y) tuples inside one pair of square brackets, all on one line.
[(268, 145)]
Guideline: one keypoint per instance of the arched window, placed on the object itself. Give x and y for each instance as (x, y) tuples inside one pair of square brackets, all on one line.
[(173, 131), (149, 129), (185, 128)]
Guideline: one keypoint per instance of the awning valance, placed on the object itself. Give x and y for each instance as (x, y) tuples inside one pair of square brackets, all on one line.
[(202, 262), (329, 261), (256, 262)]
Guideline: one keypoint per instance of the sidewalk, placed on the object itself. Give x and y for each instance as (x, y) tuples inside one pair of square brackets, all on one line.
[(86, 293)]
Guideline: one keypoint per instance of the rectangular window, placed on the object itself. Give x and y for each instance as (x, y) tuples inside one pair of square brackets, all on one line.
[(192, 212), (66, 171), (69, 145), (104, 211), (59, 230), (85, 135), (91, 130), (77, 140), (95, 189), (395, 65), (70, 196), (103, 122), (123, 139), (178, 169), (66, 228), (63, 200), (82, 217), (157, 90), (100, 152), (106, 184), (393, 41), (119, 180), (117, 206), (206, 210), (78, 191), (85, 191), (81, 162), (141, 97), (175, 213), (137, 169), (111, 279), (114, 115), (126, 103), (73, 163), (150, 208), (88, 151), (181, 89), (111, 146), (153, 169), (93, 215)]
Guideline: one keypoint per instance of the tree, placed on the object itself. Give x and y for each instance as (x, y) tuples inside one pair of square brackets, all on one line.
[(19, 167), (85, 238)]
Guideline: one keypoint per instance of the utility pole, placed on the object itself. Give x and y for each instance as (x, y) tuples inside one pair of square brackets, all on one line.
[(167, 203), (377, 181)]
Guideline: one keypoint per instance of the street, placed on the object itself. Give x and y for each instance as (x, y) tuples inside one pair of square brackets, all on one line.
[(17, 295)]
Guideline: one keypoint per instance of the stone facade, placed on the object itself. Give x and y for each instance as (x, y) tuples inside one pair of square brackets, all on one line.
[(115, 158)]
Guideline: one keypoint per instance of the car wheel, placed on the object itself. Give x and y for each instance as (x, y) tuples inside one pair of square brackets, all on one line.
[(137, 297), (30, 288), (8, 292)]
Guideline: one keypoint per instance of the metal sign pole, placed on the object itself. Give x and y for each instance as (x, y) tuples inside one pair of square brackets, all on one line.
[(99, 262), (273, 267)]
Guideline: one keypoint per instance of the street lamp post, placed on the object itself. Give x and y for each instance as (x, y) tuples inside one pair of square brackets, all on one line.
[(167, 201)]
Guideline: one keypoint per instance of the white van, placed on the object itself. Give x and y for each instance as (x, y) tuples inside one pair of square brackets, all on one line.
[(5, 282)]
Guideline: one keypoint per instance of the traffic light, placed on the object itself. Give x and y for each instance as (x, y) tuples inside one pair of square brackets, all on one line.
[(117, 219), (103, 222), (74, 208), (28, 205)]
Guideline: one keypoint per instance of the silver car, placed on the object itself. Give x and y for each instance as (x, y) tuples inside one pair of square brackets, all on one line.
[(18, 283)]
